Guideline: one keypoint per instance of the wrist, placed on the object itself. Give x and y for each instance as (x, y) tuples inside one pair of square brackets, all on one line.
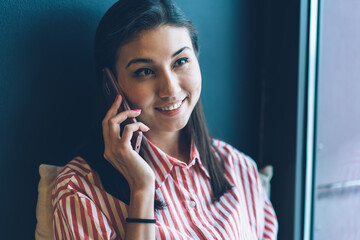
[(143, 193), (142, 187), (142, 203)]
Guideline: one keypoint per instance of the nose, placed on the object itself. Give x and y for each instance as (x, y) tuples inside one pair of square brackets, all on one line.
[(168, 85)]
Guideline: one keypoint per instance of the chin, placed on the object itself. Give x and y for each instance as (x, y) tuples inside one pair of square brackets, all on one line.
[(174, 127)]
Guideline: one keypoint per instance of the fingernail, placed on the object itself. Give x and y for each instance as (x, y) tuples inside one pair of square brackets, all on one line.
[(138, 110), (117, 96), (147, 128)]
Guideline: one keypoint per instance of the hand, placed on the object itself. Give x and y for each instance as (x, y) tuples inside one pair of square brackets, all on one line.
[(118, 149)]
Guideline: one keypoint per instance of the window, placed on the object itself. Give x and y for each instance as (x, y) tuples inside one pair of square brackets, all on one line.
[(332, 149)]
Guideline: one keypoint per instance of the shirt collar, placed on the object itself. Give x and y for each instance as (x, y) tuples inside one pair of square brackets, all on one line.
[(162, 164)]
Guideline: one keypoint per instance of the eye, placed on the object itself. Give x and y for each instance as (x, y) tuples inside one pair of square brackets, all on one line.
[(181, 61), (142, 72)]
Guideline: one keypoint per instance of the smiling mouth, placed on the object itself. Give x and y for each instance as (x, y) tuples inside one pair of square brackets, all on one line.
[(171, 107)]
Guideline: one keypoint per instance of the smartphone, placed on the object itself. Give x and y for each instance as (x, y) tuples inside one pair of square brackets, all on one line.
[(111, 89)]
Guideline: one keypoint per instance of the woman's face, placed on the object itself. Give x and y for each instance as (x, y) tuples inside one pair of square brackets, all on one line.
[(159, 73)]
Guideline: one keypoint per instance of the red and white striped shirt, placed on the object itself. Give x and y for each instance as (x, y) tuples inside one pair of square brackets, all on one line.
[(84, 210)]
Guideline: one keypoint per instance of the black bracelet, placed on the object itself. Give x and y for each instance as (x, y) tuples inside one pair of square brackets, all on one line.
[(140, 220)]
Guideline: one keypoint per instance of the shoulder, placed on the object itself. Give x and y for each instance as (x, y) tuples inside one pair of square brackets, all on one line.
[(76, 167), (233, 156), (239, 167), (75, 177)]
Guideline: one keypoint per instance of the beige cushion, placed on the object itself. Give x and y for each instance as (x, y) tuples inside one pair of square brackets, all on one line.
[(44, 228), (48, 173), (265, 175)]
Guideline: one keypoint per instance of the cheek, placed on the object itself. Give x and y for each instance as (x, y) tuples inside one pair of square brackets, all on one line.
[(139, 97), (192, 82)]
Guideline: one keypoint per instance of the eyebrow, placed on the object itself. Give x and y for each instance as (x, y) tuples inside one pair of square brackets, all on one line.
[(148, 60)]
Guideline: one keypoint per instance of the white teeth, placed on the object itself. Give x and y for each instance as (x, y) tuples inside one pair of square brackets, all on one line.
[(173, 107)]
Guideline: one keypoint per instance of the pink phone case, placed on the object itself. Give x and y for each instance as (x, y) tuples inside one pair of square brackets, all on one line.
[(111, 89)]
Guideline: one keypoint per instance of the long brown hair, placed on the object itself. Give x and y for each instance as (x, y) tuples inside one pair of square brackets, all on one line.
[(123, 21)]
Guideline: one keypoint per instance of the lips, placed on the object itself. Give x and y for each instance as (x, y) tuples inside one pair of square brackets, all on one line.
[(172, 109), (172, 106)]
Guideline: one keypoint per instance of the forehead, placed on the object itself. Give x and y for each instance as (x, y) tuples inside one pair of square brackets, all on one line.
[(160, 41)]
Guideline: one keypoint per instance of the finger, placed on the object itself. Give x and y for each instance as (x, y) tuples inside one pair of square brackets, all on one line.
[(110, 113), (114, 122), (113, 110), (131, 128), (122, 116)]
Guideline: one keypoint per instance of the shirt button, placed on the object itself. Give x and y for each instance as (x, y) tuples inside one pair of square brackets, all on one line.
[(192, 204)]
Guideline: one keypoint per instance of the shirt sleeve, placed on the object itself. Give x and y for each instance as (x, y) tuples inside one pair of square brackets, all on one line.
[(259, 210), (75, 214), (266, 220), (79, 218)]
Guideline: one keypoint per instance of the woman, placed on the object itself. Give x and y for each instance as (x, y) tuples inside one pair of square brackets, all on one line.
[(182, 184)]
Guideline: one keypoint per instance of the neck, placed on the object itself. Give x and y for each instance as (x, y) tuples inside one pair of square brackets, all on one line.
[(175, 144)]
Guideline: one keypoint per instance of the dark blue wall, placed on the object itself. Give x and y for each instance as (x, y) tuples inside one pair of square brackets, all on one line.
[(47, 86), (46, 96)]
